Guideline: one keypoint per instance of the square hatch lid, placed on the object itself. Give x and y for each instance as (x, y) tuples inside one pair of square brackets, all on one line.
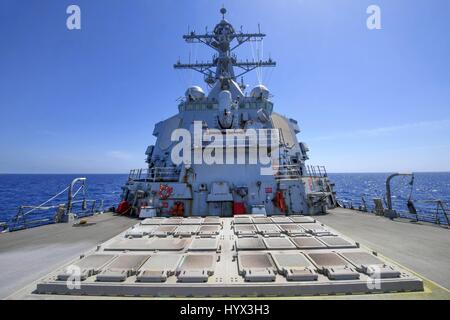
[(281, 219), (262, 220), (162, 261), (164, 230), (370, 264), (278, 243), (140, 231), (327, 259), (192, 220), (172, 221), (211, 220), (302, 219), (168, 244), (307, 243), (209, 230), (135, 244), (204, 244), (158, 267), (152, 221), (337, 242), (186, 230), (248, 261), (244, 229), (285, 261), (121, 268), (250, 244), (242, 220), (292, 229), (333, 266), (196, 267), (89, 266), (268, 229)]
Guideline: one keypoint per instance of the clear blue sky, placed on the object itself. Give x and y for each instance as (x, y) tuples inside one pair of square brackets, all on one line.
[(87, 100)]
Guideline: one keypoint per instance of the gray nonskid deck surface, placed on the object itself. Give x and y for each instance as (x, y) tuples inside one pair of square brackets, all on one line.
[(27, 255), (230, 268), (425, 249)]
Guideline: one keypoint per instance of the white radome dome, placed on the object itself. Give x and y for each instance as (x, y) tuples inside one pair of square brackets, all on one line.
[(195, 93), (260, 91)]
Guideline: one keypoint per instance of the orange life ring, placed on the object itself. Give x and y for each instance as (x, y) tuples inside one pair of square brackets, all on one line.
[(165, 191)]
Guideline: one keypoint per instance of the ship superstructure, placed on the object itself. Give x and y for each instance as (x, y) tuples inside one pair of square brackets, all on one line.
[(211, 157)]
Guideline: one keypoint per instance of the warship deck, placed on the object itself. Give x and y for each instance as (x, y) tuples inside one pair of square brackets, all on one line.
[(27, 255), (158, 259)]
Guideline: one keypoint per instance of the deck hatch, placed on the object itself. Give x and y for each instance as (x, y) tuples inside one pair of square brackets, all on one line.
[(334, 266), (209, 230), (337, 242), (276, 243), (168, 244), (244, 229), (250, 244), (292, 229), (281, 219), (302, 219), (196, 267), (88, 266), (256, 267), (294, 266), (204, 244), (135, 244), (158, 267), (262, 220), (121, 268), (242, 220), (307, 243), (186, 230), (164, 230), (270, 230), (370, 264)]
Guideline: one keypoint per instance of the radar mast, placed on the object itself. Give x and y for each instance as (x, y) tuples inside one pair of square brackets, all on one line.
[(224, 40)]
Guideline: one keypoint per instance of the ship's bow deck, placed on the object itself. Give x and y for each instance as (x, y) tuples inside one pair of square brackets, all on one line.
[(228, 257)]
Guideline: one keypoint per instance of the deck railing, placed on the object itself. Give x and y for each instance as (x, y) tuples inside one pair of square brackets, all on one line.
[(156, 174)]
